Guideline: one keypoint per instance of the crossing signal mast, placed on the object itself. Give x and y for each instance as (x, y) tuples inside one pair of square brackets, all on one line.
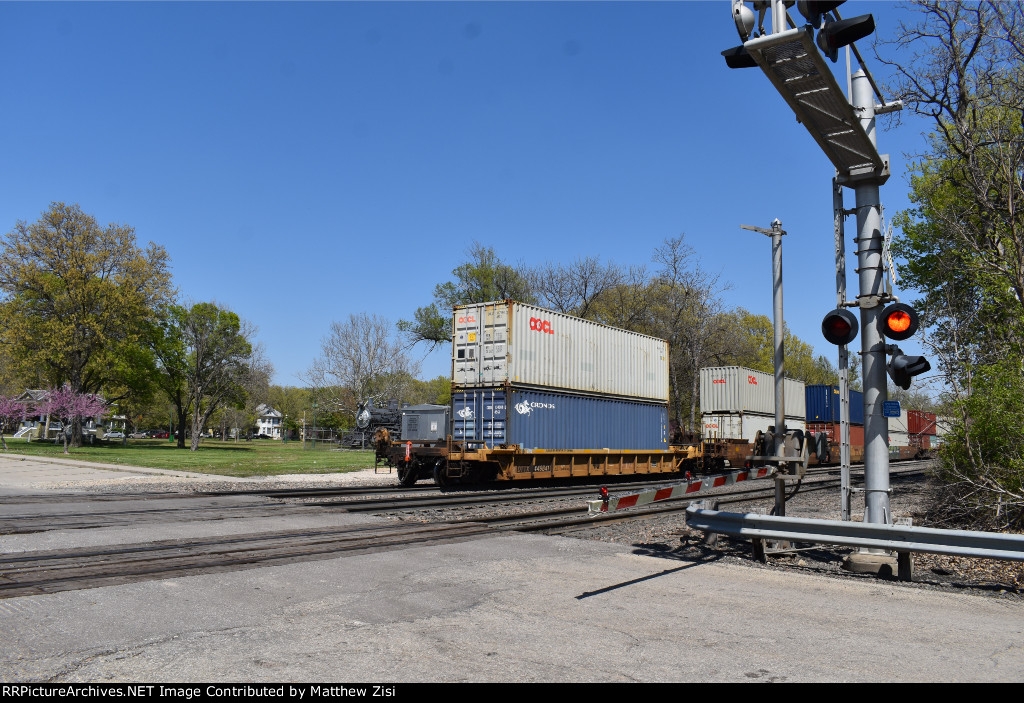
[(793, 58)]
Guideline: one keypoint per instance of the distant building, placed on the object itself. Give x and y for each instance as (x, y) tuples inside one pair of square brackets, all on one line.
[(268, 422), (43, 426)]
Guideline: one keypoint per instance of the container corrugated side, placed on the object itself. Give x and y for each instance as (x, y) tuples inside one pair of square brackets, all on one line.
[(822, 404), (920, 422), (538, 419), (499, 343), (742, 425), (425, 422), (737, 389), (899, 424)]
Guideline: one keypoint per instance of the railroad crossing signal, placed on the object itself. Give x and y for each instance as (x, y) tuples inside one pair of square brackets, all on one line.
[(834, 34), (899, 321), (902, 368), (840, 326)]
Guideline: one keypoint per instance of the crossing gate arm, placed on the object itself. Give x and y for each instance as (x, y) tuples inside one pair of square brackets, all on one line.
[(894, 538), (677, 491)]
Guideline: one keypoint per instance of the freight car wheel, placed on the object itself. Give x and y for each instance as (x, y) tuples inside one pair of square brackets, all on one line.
[(440, 475), (406, 475)]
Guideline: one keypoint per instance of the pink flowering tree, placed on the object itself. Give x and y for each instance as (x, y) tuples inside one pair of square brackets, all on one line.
[(70, 407), (11, 413)]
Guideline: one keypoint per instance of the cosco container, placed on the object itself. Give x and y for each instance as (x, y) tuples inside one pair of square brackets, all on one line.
[(539, 419), (734, 389), (508, 343), (823, 404), (920, 422), (742, 425)]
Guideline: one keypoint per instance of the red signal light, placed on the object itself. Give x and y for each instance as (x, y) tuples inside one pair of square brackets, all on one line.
[(840, 326), (899, 321)]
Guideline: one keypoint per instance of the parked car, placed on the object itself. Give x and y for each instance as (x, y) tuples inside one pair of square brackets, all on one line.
[(160, 435), (116, 434), (139, 435)]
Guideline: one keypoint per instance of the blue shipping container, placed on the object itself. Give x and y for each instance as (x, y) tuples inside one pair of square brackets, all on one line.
[(823, 405), (536, 419)]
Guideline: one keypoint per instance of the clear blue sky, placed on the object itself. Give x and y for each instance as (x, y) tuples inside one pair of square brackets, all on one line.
[(304, 161)]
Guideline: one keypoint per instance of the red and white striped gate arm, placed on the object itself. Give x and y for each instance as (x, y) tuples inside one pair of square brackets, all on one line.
[(691, 486)]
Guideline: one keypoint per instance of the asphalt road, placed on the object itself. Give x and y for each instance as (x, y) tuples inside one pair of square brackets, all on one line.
[(508, 608)]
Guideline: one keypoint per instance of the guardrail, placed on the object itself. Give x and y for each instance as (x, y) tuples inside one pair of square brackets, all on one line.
[(895, 538)]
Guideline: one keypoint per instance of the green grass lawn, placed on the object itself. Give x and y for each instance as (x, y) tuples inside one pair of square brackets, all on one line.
[(260, 457)]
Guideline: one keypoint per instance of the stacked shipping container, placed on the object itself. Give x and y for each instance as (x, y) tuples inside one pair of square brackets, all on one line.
[(913, 428), (540, 379), (737, 402)]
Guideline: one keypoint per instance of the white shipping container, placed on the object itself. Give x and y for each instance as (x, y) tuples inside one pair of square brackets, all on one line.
[(743, 425), (506, 342), (898, 438), (899, 424), (735, 389)]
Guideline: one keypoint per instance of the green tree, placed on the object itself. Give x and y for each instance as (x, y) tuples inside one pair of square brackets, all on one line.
[(206, 361), (76, 299), (960, 65), (483, 277)]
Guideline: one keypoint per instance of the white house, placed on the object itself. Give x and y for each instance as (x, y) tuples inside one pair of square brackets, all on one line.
[(268, 422)]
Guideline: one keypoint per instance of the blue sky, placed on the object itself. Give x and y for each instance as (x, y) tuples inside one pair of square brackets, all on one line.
[(304, 161)]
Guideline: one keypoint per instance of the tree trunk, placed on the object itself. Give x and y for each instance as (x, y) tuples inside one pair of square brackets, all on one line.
[(182, 416)]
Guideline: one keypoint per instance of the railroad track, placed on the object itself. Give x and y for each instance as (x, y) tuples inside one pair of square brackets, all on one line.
[(29, 573), (34, 573)]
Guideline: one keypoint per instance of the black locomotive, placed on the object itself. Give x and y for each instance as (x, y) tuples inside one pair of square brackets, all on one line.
[(368, 420)]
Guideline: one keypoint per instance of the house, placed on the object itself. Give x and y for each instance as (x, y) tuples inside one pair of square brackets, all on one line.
[(42, 426), (268, 422)]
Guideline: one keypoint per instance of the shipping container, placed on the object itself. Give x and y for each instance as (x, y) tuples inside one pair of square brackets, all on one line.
[(742, 425), (734, 389), (509, 343), (899, 438), (823, 404), (541, 419), (899, 424), (425, 422), (831, 430), (920, 422)]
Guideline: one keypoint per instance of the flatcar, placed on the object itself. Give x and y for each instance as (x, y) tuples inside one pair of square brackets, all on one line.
[(447, 461)]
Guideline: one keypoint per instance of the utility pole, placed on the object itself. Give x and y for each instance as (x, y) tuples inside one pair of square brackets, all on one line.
[(778, 329)]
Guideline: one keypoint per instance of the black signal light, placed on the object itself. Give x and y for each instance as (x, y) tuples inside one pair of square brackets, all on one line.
[(840, 326), (899, 321), (738, 57), (812, 10), (835, 35), (902, 368)]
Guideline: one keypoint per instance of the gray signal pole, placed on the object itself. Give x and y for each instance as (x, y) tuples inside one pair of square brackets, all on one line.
[(872, 297), (775, 233), (844, 360)]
